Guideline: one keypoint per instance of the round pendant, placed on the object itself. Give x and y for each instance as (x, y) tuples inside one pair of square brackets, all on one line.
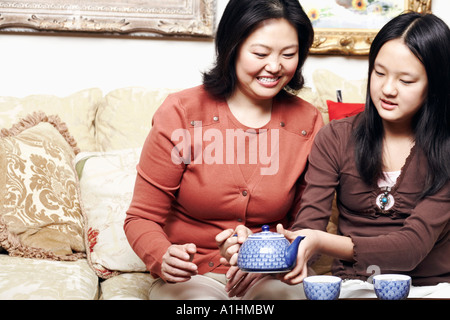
[(385, 201)]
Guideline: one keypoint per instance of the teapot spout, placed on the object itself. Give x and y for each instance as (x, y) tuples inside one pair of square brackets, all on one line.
[(291, 251)]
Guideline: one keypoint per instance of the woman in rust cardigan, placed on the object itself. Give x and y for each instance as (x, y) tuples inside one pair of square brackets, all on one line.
[(229, 152)]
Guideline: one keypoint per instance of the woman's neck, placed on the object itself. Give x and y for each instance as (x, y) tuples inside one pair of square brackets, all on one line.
[(397, 144), (398, 130), (251, 113)]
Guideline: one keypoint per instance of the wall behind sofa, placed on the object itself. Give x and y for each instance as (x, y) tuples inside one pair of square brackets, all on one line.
[(36, 64)]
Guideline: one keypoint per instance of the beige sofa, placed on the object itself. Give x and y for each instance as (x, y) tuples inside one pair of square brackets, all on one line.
[(64, 205)]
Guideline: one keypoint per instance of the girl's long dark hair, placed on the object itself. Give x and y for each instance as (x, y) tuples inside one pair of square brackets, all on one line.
[(238, 21), (428, 38)]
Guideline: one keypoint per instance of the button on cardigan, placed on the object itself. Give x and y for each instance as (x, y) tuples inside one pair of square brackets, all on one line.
[(202, 172)]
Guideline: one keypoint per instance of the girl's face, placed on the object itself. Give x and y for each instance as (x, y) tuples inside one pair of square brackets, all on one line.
[(398, 83), (267, 60)]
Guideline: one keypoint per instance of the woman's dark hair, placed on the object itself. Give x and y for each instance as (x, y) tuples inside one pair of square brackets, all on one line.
[(239, 20), (428, 38)]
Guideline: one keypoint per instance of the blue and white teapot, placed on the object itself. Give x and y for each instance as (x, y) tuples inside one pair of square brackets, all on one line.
[(268, 252)]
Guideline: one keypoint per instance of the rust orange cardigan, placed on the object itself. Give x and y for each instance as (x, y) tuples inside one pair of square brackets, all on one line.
[(196, 178)]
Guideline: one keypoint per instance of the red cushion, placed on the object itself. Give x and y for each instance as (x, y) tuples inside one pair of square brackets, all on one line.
[(339, 110)]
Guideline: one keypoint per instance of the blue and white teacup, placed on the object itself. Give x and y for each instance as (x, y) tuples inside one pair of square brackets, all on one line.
[(392, 286), (322, 287)]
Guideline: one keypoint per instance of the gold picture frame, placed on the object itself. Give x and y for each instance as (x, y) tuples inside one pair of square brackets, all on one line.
[(138, 18), (352, 41)]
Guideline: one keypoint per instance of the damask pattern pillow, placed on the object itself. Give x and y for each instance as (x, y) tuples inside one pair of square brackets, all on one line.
[(40, 212), (77, 110)]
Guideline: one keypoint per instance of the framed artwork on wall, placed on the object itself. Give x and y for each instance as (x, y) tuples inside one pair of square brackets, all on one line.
[(348, 27), (138, 18)]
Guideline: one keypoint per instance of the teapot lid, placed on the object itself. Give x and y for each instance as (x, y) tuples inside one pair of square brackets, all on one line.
[(266, 234)]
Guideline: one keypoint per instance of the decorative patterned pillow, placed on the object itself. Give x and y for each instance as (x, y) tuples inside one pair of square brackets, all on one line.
[(107, 182), (40, 215), (77, 110)]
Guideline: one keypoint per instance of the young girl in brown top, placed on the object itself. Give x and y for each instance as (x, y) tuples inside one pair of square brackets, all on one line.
[(389, 167)]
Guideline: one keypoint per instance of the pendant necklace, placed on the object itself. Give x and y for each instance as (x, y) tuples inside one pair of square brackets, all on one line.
[(385, 200)]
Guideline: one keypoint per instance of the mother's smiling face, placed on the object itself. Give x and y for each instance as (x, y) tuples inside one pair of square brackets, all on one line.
[(267, 60)]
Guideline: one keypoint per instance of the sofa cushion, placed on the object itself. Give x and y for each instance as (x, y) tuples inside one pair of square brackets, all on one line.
[(107, 183), (326, 84), (127, 286), (76, 110), (35, 279), (125, 118), (41, 215), (308, 94)]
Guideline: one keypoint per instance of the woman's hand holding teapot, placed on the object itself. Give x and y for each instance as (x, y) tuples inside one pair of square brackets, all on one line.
[(229, 241)]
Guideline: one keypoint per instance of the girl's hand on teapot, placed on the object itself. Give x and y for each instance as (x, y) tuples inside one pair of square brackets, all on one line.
[(229, 241), (177, 263), (239, 282), (306, 249)]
